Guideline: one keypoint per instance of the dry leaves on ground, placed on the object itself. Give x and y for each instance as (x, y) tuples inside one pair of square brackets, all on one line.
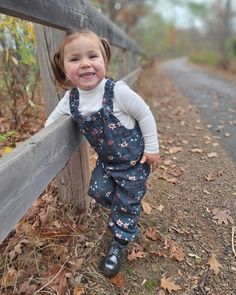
[(222, 216), (214, 264), (169, 285)]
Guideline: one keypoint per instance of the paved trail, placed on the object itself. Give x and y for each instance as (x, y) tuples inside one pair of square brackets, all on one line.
[(215, 97)]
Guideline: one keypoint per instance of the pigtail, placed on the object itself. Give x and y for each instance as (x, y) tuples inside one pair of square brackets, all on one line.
[(58, 71), (107, 49)]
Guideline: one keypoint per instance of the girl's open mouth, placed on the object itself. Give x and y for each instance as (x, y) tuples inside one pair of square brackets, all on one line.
[(87, 75)]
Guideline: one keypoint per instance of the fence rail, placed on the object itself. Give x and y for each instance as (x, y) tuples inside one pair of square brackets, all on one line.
[(68, 15), (27, 171)]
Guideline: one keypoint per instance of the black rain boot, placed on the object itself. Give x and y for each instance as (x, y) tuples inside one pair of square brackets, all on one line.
[(113, 259)]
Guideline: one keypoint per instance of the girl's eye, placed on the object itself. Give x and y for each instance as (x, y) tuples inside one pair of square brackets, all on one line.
[(74, 59), (93, 56)]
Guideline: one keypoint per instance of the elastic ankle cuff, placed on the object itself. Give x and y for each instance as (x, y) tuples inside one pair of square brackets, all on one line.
[(121, 242)]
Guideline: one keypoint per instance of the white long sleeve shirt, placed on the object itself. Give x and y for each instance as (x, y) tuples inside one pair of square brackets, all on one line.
[(128, 106)]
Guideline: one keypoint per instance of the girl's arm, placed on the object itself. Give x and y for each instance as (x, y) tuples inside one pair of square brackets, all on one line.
[(61, 109), (134, 105)]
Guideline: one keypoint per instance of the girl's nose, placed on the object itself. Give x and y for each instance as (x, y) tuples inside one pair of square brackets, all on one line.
[(85, 63)]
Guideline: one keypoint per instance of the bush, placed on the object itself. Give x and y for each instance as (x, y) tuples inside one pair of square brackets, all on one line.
[(205, 57), (19, 70)]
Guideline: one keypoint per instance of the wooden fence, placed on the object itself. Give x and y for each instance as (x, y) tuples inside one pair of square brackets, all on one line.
[(58, 150)]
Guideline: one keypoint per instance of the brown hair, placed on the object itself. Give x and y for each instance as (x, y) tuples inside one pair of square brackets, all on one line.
[(57, 61)]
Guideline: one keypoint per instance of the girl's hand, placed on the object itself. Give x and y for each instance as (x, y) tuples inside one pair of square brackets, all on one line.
[(152, 159)]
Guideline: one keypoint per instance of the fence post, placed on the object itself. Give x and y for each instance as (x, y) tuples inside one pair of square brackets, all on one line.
[(74, 178)]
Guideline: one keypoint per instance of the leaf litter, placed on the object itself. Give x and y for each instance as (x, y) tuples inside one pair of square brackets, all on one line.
[(51, 251)]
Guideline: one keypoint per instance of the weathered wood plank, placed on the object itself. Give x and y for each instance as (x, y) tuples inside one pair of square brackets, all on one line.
[(131, 78), (26, 172), (68, 15), (73, 180)]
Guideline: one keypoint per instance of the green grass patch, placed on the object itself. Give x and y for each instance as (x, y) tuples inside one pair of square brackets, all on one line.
[(205, 57), (151, 284), (4, 136)]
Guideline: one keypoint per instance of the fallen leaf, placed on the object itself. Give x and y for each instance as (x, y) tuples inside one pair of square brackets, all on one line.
[(177, 172), (210, 177), (138, 247), (223, 216), (194, 256), (214, 264), (212, 155), (9, 278), (152, 234), (195, 150), (60, 283), (177, 252), (78, 290), (198, 128), (184, 141), (169, 285), (169, 180), (146, 207), (232, 123), (175, 150), (220, 173), (118, 280), (161, 253), (7, 150), (27, 289), (206, 192), (135, 255), (160, 208), (167, 162)]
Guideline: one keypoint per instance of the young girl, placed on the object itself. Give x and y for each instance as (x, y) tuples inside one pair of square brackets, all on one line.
[(120, 128)]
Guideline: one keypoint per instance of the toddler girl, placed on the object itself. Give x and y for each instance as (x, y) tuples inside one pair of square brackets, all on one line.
[(119, 127)]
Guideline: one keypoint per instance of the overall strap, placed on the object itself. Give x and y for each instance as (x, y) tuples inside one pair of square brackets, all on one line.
[(108, 96), (74, 104)]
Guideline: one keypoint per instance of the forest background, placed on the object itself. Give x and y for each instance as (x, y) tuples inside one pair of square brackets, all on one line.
[(211, 42)]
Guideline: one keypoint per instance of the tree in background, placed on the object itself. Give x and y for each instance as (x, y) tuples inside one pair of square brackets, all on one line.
[(220, 29), (19, 70), (126, 14), (213, 43)]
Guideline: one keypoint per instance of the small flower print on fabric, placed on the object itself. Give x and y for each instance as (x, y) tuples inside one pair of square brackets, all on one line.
[(132, 178), (124, 144), (119, 236), (112, 126), (133, 162), (108, 194), (94, 132), (119, 222), (126, 225)]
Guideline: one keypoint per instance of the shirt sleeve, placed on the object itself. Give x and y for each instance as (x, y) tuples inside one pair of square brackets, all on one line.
[(61, 109), (133, 105)]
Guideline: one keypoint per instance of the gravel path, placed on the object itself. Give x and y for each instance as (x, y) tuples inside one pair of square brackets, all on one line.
[(215, 98)]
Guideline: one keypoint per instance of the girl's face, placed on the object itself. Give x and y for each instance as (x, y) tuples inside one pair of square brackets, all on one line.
[(83, 62)]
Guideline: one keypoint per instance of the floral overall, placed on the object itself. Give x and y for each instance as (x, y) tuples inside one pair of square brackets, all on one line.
[(118, 180)]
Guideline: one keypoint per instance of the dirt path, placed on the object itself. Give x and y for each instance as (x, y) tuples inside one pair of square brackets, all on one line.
[(214, 96), (181, 228), (203, 178)]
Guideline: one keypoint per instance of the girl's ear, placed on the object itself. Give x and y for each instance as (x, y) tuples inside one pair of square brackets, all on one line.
[(107, 48)]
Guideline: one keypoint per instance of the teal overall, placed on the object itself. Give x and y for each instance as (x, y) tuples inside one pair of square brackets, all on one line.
[(119, 179)]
